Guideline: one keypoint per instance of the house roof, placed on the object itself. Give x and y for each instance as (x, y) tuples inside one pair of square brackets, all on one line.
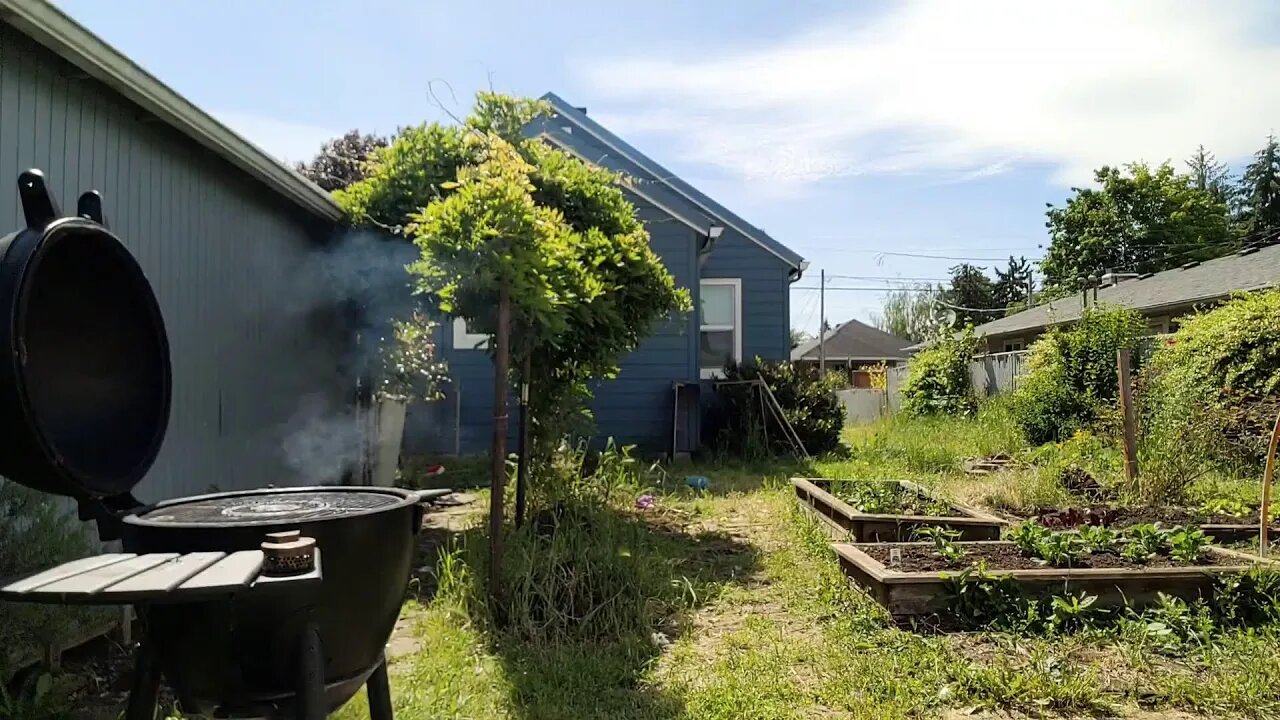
[(53, 29), (854, 340), (677, 186), (1252, 269)]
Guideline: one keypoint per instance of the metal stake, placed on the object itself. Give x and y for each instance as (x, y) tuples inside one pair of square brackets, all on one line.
[(146, 684)]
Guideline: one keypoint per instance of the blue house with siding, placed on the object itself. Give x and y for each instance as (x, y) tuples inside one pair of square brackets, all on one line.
[(738, 276)]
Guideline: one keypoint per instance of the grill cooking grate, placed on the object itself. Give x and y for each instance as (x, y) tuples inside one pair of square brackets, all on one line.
[(271, 507)]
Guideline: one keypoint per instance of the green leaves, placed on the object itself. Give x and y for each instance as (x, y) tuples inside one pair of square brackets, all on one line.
[(490, 208), (1139, 219), (938, 379)]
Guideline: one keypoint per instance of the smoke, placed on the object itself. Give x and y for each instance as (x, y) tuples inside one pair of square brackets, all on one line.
[(361, 285), (321, 444)]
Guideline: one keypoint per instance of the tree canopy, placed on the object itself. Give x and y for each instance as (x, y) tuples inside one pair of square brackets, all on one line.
[(908, 313), (1260, 194), (1140, 219), (343, 160), (489, 208)]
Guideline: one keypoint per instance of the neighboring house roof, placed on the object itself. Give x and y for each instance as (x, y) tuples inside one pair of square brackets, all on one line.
[(677, 186), (53, 29), (1252, 269), (854, 340)]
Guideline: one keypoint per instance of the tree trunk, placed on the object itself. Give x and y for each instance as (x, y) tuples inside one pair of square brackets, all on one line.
[(522, 473), (497, 489)]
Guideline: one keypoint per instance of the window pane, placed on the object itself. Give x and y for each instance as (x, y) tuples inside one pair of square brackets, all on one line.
[(717, 305), (716, 348)]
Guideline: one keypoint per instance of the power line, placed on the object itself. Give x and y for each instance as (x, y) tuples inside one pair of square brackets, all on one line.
[(865, 289), (888, 279)]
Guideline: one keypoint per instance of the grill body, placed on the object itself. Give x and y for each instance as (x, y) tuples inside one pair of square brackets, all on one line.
[(243, 653)]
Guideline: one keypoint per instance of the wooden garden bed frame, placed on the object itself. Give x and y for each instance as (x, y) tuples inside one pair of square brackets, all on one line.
[(911, 594), (971, 523)]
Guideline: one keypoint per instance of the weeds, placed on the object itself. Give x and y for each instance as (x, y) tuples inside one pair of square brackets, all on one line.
[(944, 543)]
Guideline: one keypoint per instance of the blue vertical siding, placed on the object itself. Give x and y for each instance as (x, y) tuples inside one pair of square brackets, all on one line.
[(766, 286), (217, 247)]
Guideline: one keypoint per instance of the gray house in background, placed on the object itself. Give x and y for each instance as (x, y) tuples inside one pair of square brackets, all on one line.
[(851, 347), (738, 275), (217, 224), (1161, 297)]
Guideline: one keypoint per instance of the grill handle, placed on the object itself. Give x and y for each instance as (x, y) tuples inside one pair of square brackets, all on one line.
[(424, 497)]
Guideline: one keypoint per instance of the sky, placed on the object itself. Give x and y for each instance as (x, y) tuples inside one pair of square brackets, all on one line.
[(863, 135)]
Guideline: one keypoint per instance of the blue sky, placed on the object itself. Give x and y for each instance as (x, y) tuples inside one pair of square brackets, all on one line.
[(846, 130)]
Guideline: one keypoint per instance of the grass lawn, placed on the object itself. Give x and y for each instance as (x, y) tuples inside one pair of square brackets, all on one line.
[(759, 622)]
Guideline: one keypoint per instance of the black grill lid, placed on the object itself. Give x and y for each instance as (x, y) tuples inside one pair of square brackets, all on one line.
[(85, 377)]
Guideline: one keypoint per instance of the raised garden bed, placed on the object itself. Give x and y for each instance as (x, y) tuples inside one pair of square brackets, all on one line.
[(901, 508), (1221, 527), (921, 584)]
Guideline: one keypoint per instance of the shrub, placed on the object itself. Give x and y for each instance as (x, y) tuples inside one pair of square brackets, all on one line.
[(738, 424), (1071, 373), (938, 378), (1222, 367), (35, 532)]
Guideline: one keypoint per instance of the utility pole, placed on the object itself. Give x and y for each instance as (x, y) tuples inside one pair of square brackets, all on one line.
[(822, 323)]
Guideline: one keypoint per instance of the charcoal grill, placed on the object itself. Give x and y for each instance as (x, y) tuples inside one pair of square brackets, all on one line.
[(270, 603)]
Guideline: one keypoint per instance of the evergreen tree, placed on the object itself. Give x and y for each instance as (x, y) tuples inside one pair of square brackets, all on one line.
[(1260, 194), (971, 291), (1014, 284), (1211, 176)]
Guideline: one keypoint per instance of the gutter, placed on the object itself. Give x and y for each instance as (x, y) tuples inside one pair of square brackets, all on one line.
[(55, 30)]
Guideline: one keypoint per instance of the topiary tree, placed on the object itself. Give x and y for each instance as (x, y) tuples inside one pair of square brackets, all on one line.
[(1071, 373), (938, 378), (528, 244)]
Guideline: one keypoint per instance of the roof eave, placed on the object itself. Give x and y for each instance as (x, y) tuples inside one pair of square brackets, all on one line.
[(55, 30), (782, 252)]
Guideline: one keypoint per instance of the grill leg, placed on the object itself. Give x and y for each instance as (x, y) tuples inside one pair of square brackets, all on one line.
[(378, 690), (311, 704), (146, 684)]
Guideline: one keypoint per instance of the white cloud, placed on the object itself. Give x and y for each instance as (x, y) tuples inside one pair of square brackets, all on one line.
[(287, 141), (964, 89)]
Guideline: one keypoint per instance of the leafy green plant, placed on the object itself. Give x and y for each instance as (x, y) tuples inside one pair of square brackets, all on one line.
[(34, 700), (1071, 372), (1060, 549), (1099, 539), (944, 545), (1226, 506), (978, 600), (1072, 612), (1248, 599), (1171, 622), (938, 378), (1029, 536), (1143, 542), (1187, 544), (737, 424)]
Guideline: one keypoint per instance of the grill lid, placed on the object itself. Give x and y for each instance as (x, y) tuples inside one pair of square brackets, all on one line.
[(84, 359), (270, 507)]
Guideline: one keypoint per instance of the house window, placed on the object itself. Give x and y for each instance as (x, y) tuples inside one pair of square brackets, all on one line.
[(1013, 345), (720, 324), (464, 339)]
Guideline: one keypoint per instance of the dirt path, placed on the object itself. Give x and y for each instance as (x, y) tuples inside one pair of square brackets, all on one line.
[(443, 522)]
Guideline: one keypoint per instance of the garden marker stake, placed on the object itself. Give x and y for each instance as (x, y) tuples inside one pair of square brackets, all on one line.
[(1267, 480), (497, 490)]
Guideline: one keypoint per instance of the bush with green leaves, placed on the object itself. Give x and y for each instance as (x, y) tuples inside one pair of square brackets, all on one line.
[(1214, 385), (938, 378), (1071, 373), (738, 424)]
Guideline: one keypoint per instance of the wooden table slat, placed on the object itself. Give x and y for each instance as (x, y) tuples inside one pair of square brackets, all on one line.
[(98, 579), (161, 579), (63, 571), (234, 571)]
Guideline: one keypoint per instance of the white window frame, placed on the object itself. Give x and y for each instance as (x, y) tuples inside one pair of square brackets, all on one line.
[(1014, 346), (464, 340), (736, 284)]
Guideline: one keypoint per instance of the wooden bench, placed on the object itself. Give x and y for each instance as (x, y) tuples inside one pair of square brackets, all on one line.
[(127, 578)]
